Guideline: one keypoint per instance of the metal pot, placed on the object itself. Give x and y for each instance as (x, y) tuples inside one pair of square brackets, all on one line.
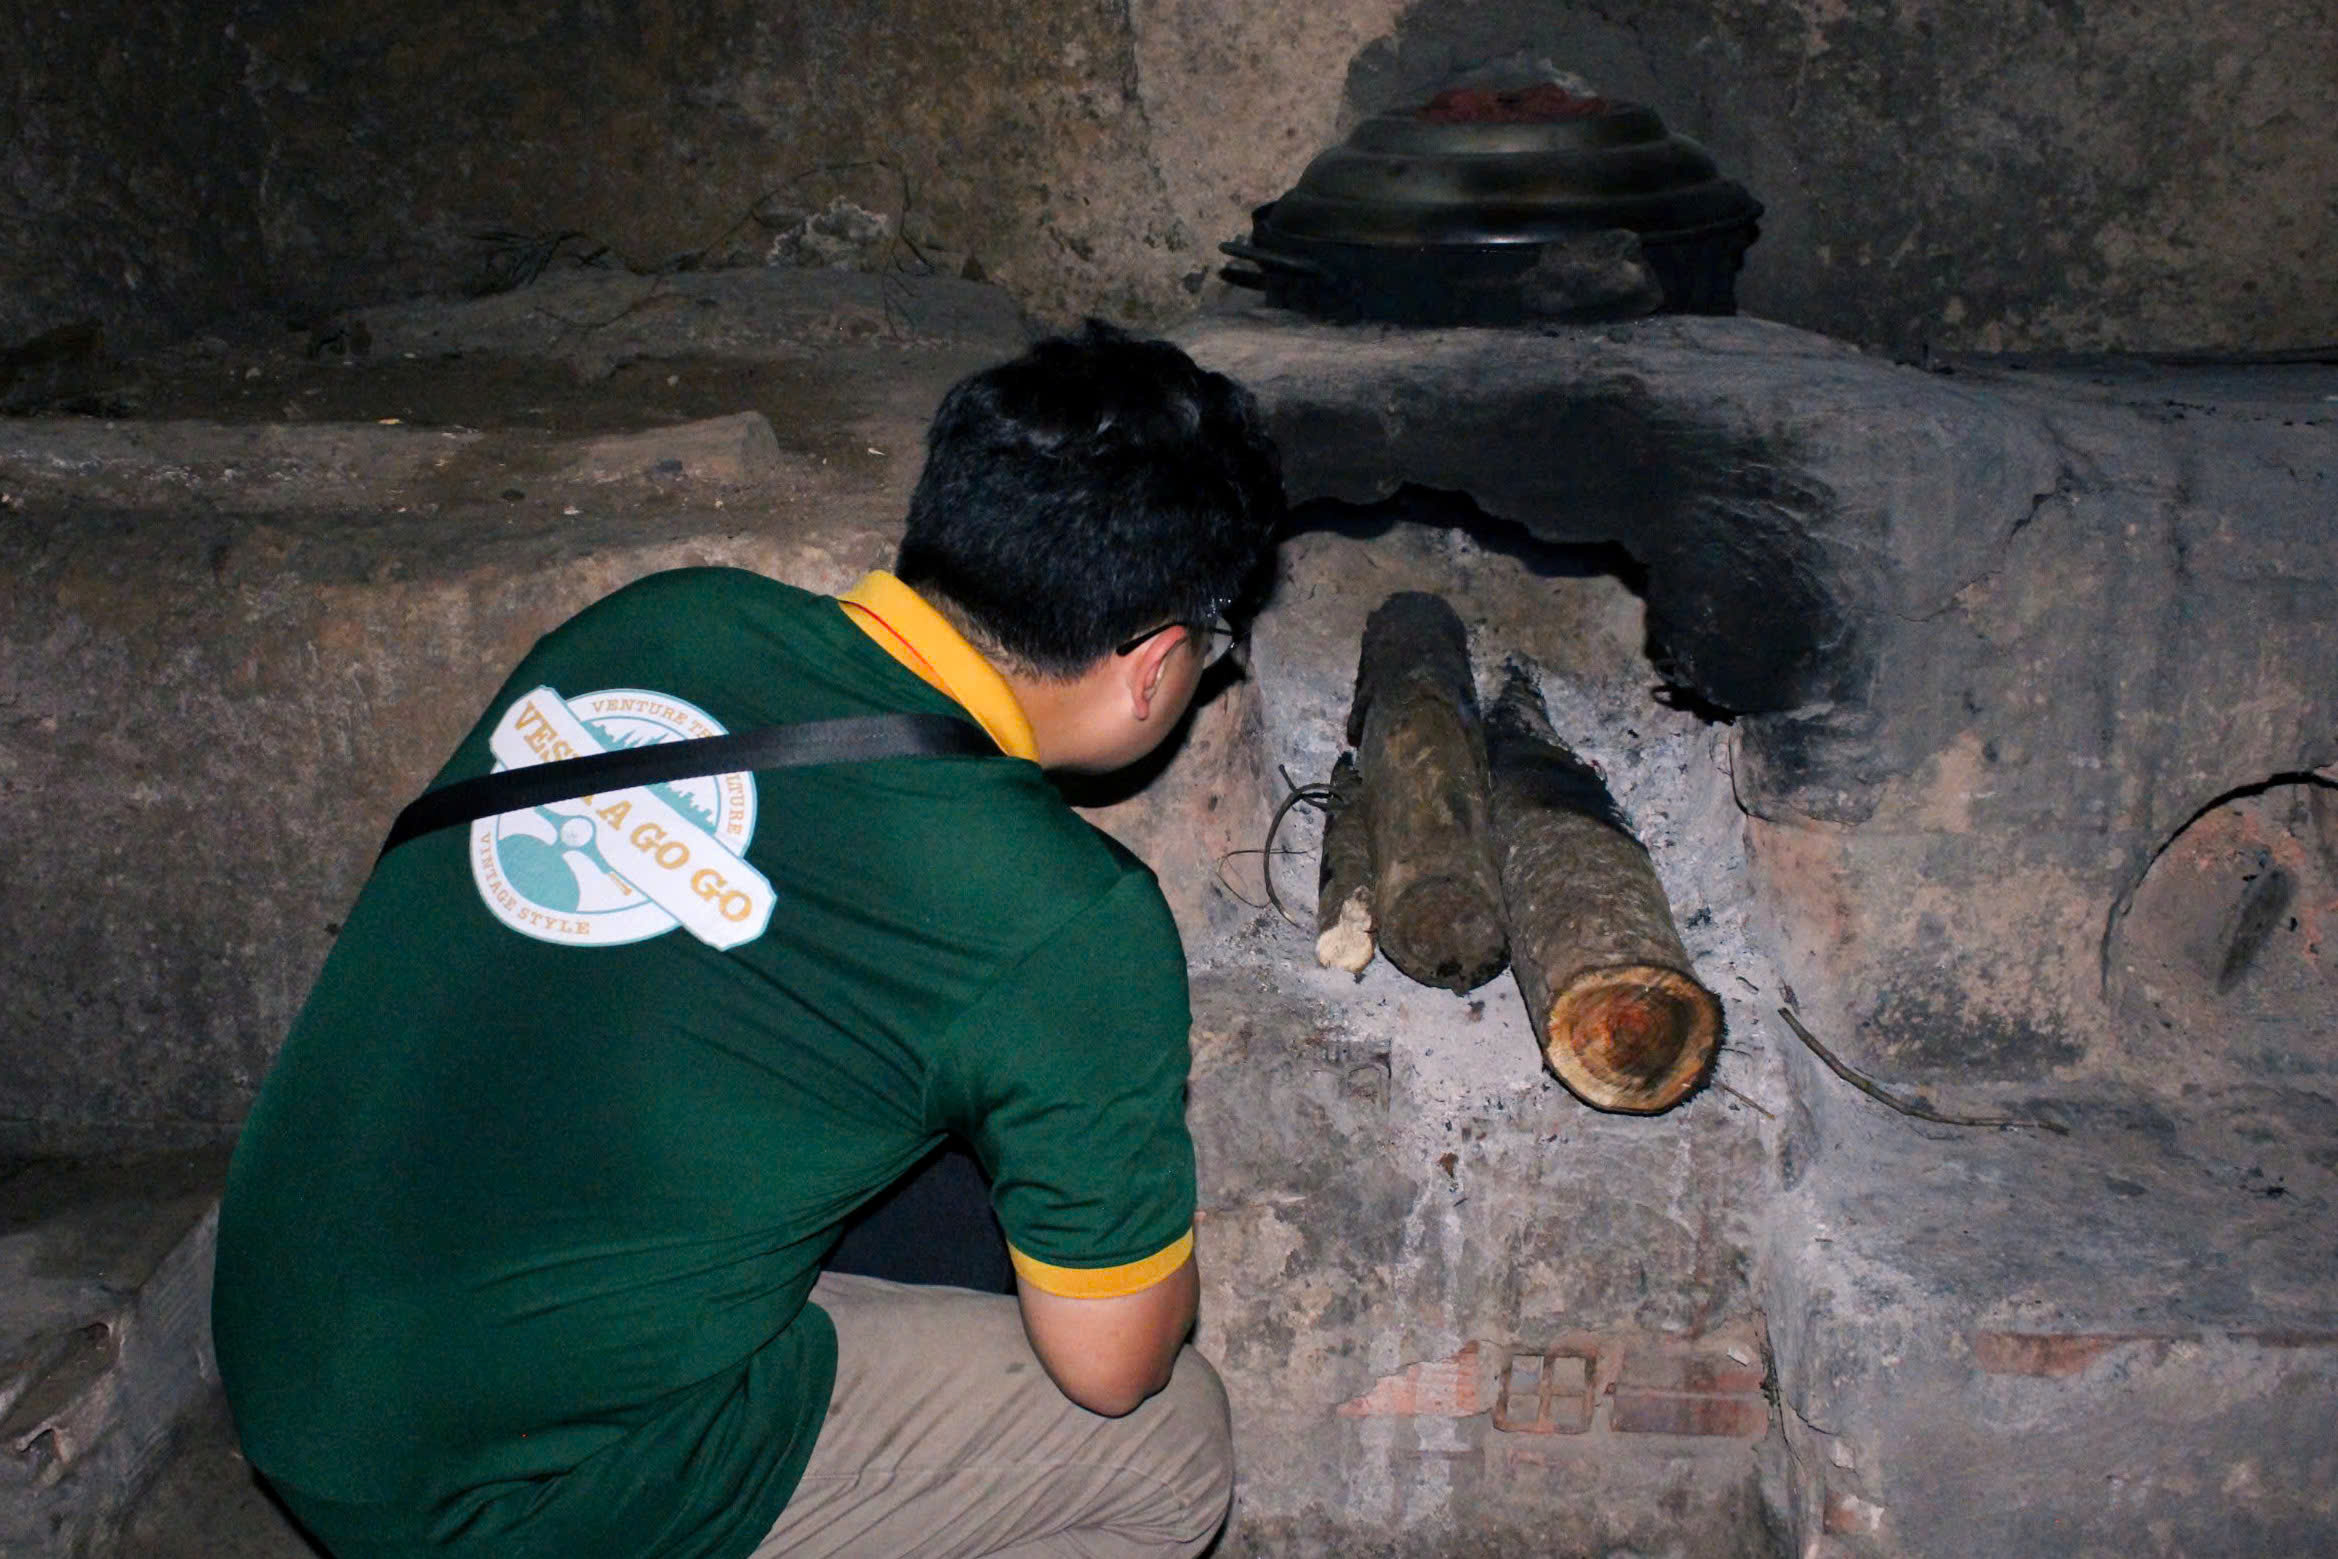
[(1427, 218)]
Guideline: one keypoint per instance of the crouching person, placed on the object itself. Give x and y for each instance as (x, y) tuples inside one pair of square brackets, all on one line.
[(522, 1250)]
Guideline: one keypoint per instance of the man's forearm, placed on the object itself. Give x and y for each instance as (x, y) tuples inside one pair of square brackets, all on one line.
[(1108, 1355)]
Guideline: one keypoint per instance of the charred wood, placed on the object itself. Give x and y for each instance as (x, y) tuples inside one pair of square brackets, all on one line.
[(1616, 1007), (1343, 900), (1420, 754)]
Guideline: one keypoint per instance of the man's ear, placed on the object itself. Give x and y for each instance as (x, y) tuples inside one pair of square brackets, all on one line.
[(1148, 668)]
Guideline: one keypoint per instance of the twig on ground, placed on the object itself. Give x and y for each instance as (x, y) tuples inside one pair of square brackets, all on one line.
[(1742, 1099), (1909, 1107)]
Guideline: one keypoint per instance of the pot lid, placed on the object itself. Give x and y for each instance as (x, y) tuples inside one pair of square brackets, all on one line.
[(1524, 167)]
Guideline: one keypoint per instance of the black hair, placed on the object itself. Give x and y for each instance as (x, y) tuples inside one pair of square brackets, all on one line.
[(1097, 486)]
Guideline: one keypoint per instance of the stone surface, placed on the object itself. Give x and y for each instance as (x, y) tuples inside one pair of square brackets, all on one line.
[(2118, 1340), (2229, 933), (292, 468), (207, 1504), (105, 1339), (1388, 1184), (2016, 174), (130, 183)]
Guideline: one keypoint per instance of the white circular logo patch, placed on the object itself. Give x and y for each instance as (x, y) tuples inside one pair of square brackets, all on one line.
[(592, 872)]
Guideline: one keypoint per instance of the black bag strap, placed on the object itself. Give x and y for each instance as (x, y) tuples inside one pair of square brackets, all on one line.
[(771, 747)]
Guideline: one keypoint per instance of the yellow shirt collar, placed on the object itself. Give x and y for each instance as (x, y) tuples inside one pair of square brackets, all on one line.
[(908, 628)]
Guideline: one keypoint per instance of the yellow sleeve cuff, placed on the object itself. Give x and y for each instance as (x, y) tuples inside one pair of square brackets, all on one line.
[(1102, 1282)]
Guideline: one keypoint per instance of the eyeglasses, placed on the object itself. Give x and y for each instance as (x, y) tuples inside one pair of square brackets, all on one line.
[(1214, 638)]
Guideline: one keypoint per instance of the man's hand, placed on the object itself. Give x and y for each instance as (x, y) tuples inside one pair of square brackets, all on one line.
[(1108, 1355)]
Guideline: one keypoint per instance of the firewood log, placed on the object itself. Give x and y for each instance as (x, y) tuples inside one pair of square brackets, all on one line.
[(1616, 1006), (1343, 899), (1420, 751)]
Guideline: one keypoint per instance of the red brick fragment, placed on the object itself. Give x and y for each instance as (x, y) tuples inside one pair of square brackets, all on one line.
[(2280, 1339), (1667, 1412), (2044, 1354), (1549, 1393), (1434, 1388), (1711, 1388), (1702, 1374)]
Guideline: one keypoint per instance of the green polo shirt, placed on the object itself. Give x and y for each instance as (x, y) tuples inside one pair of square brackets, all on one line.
[(517, 1241)]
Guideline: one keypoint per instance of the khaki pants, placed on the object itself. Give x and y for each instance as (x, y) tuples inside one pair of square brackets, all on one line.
[(945, 1437)]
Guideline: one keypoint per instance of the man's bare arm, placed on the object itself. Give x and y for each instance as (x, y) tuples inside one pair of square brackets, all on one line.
[(1108, 1355)]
